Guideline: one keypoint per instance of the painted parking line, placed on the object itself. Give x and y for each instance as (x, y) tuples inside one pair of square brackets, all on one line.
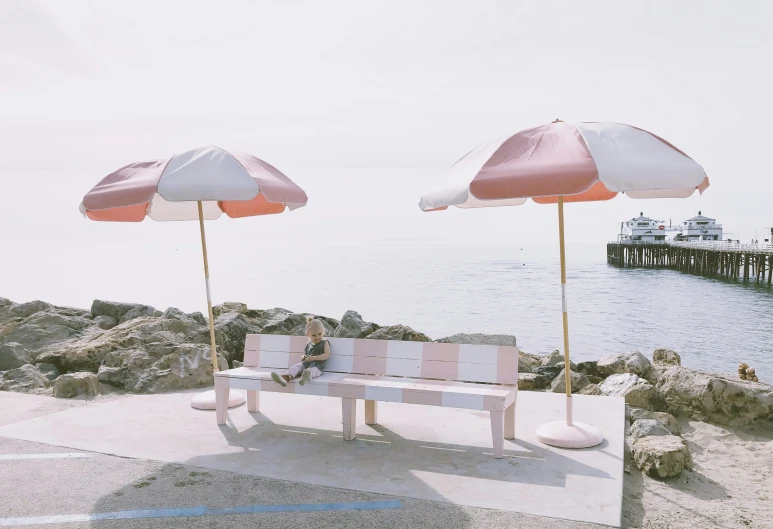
[(199, 511), (61, 455)]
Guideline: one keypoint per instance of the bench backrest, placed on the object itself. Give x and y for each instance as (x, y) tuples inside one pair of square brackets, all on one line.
[(443, 361)]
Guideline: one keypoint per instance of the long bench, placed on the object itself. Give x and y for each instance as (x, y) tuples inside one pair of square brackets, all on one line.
[(475, 377)]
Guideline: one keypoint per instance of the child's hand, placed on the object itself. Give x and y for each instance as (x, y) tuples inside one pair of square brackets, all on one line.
[(303, 358)]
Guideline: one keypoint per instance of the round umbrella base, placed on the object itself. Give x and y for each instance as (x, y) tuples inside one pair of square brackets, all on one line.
[(562, 435), (206, 400)]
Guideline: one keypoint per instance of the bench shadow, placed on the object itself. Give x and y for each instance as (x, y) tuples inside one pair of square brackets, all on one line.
[(379, 458)]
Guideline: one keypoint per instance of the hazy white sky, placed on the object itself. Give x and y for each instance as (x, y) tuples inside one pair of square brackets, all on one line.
[(363, 104)]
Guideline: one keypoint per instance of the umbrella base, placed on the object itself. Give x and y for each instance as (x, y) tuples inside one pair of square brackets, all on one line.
[(206, 400), (563, 435)]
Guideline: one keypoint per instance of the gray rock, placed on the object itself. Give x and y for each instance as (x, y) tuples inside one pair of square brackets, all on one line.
[(714, 398), (239, 308), (177, 321), (11, 356), (48, 370), (590, 389), (114, 376), (552, 359), (578, 381), (661, 456), (646, 427), (122, 312), (666, 357), (589, 369), (531, 360), (635, 363), (637, 391), (353, 326), (5, 302), (532, 382), (24, 310), (572, 366), (666, 419), (231, 329), (105, 322), (282, 321), (594, 380), (480, 339), (398, 332), (45, 330), (550, 372), (74, 384), (25, 379), (199, 318), (236, 364)]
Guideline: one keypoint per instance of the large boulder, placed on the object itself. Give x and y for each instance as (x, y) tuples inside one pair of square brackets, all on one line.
[(49, 371), (353, 326), (148, 355), (480, 339), (45, 330), (231, 329), (646, 427), (635, 363), (714, 398), (548, 371), (552, 359), (661, 456), (578, 381), (24, 310), (530, 360), (590, 389), (122, 312), (74, 384), (282, 321), (636, 391), (666, 419), (25, 379), (589, 368), (399, 332), (239, 308), (532, 382), (11, 356), (666, 357)]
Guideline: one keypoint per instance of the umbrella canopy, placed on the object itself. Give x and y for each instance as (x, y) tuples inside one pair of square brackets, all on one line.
[(198, 185), (579, 161), (567, 162), (230, 182)]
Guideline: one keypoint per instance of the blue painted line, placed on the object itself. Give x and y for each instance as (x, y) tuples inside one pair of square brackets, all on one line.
[(199, 511)]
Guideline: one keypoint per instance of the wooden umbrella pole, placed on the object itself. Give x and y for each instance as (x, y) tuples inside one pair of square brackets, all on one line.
[(564, 312), (209, 296)]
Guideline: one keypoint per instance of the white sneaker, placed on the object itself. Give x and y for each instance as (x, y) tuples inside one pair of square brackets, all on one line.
[(305, 377), (278, 379)]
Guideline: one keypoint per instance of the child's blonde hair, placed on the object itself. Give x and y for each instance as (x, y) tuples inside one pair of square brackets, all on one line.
[(313, 324)]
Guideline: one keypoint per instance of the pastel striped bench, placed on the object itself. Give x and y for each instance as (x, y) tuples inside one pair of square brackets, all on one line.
[(475, 377)]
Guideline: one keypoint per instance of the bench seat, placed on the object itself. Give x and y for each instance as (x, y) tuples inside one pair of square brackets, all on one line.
[(444, 393)]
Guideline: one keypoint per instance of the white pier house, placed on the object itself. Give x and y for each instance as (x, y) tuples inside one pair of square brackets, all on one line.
[(700, 228), (642, 229)]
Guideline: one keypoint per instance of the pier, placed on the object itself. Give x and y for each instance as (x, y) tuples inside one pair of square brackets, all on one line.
[(726, 260)]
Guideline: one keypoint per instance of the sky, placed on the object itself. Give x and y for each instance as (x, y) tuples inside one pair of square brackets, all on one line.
[(364, 105)]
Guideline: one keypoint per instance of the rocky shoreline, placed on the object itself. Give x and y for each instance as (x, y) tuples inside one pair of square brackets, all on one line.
[(125, 347)]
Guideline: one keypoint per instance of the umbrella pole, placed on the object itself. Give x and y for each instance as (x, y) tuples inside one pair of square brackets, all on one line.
[(209, 296), (564, 312), (567, 433)]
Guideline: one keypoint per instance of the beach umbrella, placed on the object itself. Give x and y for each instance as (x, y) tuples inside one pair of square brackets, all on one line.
[(567, 162), (198, 185)]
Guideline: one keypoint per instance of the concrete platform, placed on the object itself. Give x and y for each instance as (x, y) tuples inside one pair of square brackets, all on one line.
[(423, 452)]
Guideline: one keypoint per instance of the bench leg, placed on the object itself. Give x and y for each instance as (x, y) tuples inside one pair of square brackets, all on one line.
[(253, 400), (498, 433), (371, 412), (222, 391), (510, 422), (349, 407)]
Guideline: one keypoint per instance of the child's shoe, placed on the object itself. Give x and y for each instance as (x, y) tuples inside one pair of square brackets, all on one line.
[(305, 377), (278, 379)]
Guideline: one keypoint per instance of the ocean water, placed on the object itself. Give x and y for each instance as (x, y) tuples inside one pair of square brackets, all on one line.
[(442, 289)]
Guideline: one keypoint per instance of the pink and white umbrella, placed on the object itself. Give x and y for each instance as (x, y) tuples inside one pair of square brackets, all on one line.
[(196, 185), (567, 162)]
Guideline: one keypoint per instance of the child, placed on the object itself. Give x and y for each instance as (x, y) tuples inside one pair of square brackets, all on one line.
[(313, 360)]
